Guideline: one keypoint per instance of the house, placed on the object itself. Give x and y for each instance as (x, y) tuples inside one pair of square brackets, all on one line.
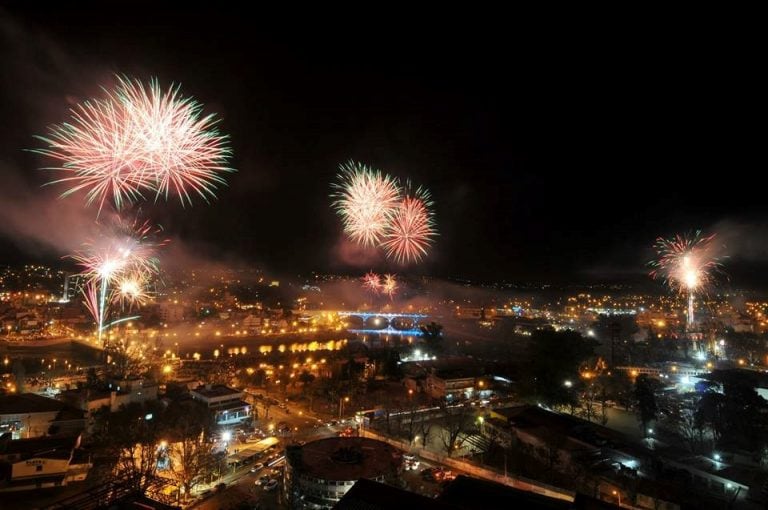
[(226, 403), (31, 464), (28, 415)]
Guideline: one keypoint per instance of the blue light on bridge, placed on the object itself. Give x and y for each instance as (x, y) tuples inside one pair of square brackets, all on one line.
[(389, 318)]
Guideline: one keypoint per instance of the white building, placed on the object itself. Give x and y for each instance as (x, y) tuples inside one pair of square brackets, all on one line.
[(227, 404)]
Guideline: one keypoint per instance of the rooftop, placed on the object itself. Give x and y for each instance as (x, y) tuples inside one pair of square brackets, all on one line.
[(345, 458), (218, 390), (26, 403), (48, 447)]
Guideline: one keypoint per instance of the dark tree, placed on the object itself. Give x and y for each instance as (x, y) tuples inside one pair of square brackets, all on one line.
[(306, 378), (433, 336), (553, 358), (455, 422), (645, 399)]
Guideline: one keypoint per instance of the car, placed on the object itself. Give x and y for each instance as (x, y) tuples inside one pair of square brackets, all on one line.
[(256, 467), (262, 480), (271, 485)]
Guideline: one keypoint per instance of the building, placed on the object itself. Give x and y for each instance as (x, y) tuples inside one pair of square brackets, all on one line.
[(319, 473), (117, 394), (28, 415), (226, 403), (455, 384), (31, 464)]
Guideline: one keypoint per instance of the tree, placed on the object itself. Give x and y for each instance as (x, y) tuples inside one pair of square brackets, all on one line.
[(646, 400), (455, 422), (425, 427), (682, 421), (191, 449), (130, 436), (306, 378), (552, 359), (709, 414), (126, 360), (432, 333)]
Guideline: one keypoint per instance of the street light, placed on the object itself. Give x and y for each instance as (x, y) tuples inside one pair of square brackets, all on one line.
[(342, 400), (567, 383), (618, 495)]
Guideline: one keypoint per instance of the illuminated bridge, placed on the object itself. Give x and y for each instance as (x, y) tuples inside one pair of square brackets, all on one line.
[(372, 323)]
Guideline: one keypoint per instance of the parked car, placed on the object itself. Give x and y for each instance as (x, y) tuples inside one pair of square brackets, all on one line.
[(256, 467), (271, 485)]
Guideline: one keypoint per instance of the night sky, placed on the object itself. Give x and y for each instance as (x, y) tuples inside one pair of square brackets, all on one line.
[(551, 154)]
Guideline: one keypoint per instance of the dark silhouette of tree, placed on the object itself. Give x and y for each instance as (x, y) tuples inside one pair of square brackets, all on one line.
[(552, 359), (709, 414), (645, 399), (743, 410), (130, 437), (425, 428), (432, 333), (680, 420), (454, 423), (306, 378)]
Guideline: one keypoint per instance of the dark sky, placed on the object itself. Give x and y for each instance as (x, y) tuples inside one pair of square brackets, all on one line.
[(553, 152)]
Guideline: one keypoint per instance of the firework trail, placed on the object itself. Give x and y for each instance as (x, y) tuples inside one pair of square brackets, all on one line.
[(411, 228), (365, 199), (687, 264), (138, 141), (118, 265), (372, 282), (389, 287)]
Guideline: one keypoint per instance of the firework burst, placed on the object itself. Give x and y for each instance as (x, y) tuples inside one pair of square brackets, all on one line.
[(365, 199), (389, 286), (138, 141), (686, 264), (131, 290), (372, 282), (411, 228), (118, 265)]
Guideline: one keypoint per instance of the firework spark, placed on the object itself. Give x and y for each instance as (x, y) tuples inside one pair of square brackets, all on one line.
[(687, 264), (372, 282), (365, 201), (411, 228), (137, 141), (131, 290), (389, 287)]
